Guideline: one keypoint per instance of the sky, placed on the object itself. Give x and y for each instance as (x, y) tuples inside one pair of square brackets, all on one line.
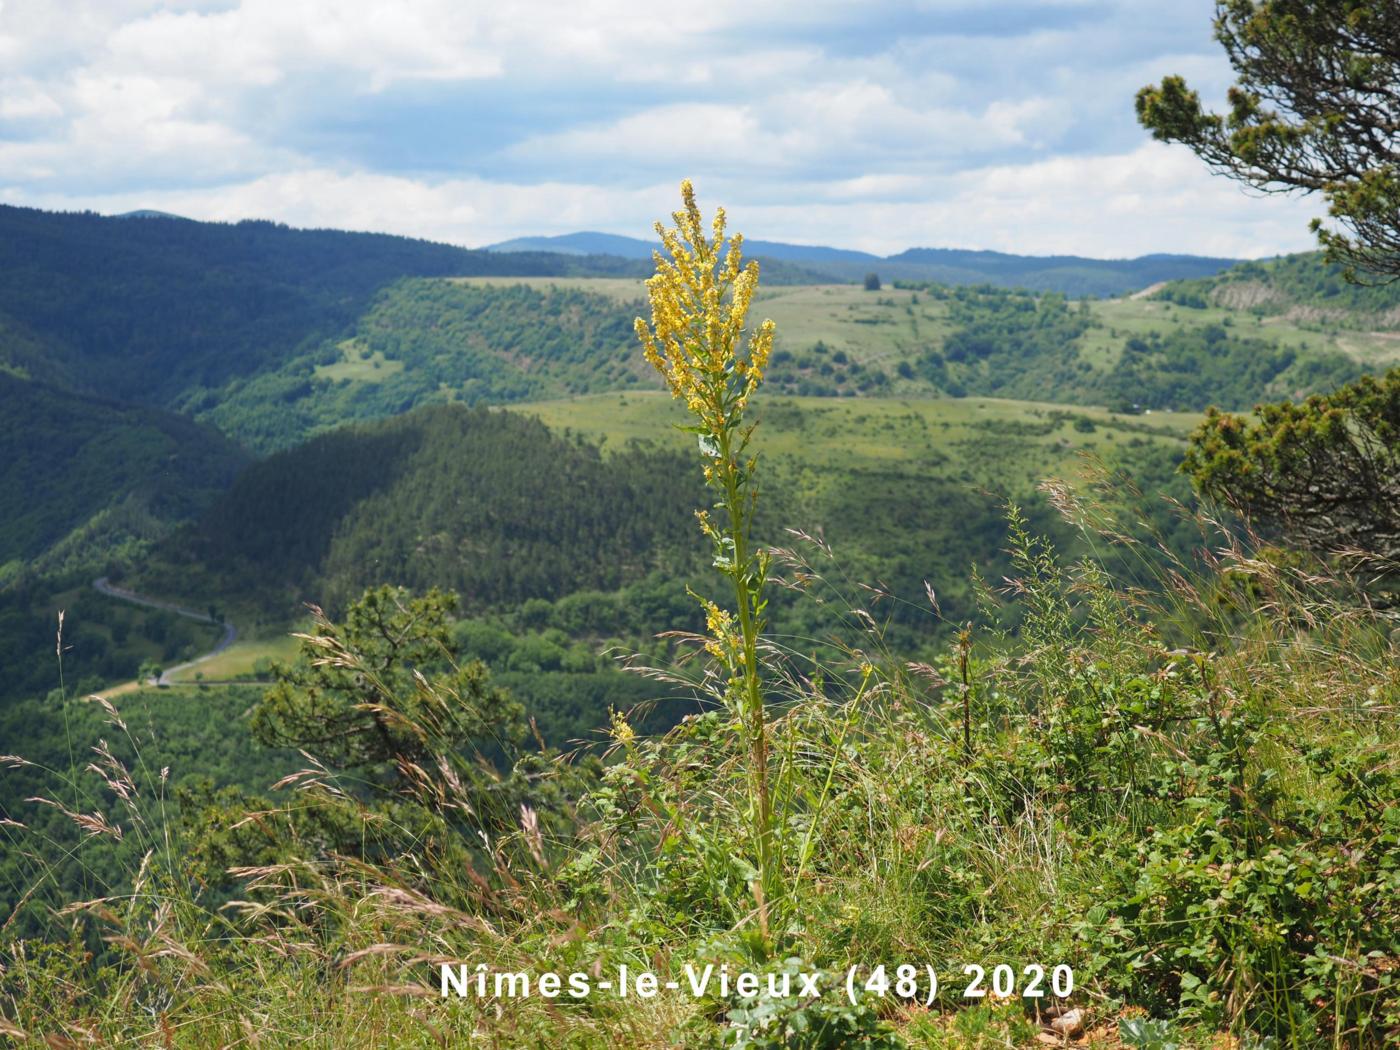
[(997, 124)]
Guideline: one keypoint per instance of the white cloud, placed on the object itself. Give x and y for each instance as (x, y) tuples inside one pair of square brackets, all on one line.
[(838, 127), (260, 42), (23, 99), (1155, 198), (676, 134), (880, 127)]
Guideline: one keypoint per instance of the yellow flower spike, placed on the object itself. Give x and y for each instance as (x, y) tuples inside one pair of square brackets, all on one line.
[(733, 258), (700, 297)]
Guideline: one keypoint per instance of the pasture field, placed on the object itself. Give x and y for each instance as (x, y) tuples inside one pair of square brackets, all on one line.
[(999, 443), (898, 324)]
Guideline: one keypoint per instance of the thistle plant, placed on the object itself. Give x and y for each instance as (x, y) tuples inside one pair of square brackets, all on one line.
[(697, 340)]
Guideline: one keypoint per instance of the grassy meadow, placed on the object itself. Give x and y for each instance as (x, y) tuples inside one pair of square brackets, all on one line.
[(922, 434), (897, 323)]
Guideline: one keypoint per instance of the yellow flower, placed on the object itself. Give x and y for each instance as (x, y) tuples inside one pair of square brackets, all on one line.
[(724, 642), (700, 297), (622, 731)]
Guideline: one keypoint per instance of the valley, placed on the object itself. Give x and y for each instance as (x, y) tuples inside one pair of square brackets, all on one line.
[(968, 395), (458, 467)]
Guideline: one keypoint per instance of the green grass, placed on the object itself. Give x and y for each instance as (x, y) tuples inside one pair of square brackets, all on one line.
[(860, 433), (874, 327), (885, 326), (1138, 317), (619, 289), (359, 364), (241, 659)]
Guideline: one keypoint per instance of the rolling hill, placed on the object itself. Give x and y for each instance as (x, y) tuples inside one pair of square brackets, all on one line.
[(1300, 288), (502, 509), (170, 312), (491, 340), (275, 335), (82, 477), (489, 504)]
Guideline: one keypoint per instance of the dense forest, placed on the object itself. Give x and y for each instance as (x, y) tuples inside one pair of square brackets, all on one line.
[(83, 478), (500, 509), (490, 504), (162, 310)]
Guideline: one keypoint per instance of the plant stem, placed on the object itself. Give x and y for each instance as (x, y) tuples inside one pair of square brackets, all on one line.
[(964, 644), (752, 712)]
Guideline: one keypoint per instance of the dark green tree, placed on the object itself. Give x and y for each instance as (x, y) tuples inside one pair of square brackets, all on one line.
[(1315, 107), (1324, 475), (380, 695), (872, 282)]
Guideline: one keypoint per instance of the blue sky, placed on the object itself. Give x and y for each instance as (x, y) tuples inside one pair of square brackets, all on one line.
[(1003, 125)]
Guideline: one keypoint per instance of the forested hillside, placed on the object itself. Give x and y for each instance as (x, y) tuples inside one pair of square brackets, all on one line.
[(83, 479), (503, 341), (423, 341), (1016, 345), (491, 505), (505, 511), (274, 334), (167, 311)]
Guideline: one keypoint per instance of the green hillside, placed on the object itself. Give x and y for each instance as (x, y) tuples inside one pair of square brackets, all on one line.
[(428, 341), (172, 313), (1022, 346), (1299, 288), (274, 334), (490, 340), (82, 478), (567, 526), (498, 508), (487, 339), (488, 504)]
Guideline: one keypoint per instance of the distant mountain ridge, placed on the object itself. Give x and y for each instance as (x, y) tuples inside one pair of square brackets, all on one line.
[(1070, 274)]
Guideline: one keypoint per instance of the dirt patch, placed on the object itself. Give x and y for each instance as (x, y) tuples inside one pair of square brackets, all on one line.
[(1150, 290), (1246, 295)]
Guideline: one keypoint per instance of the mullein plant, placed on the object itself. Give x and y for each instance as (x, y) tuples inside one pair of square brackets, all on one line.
[(698, 341)]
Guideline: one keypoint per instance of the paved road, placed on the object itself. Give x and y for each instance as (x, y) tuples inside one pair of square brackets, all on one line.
[(104, 586)]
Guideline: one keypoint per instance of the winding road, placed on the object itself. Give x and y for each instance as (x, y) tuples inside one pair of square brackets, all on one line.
[(105, 586)]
